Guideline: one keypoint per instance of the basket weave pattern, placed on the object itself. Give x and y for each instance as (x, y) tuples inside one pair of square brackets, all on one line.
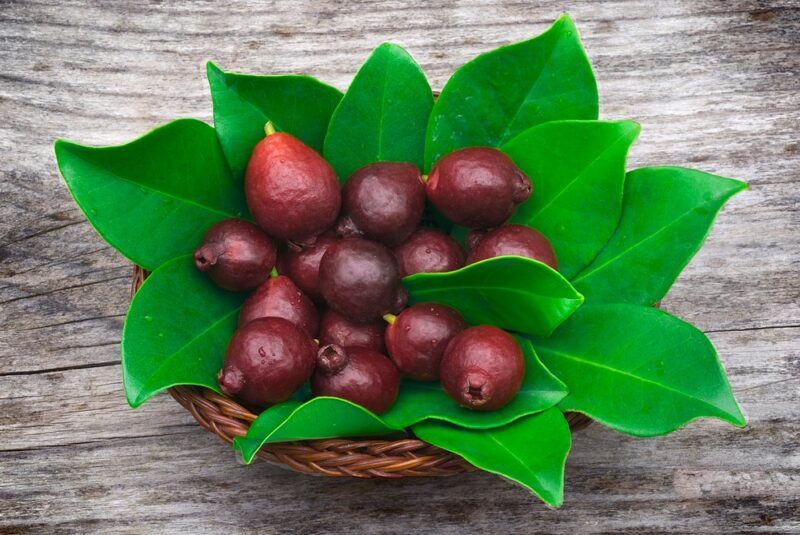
[(368, 458)]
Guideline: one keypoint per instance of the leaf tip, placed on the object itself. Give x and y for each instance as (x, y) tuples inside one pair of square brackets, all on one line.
[(211, 68), (737, 419), (634, 128), (554, 502), (134, 399), (564, 18), (239, 446), (61, 145)]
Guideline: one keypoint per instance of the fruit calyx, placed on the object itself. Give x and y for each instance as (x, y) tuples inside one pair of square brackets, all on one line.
[(331, 359), (476, 387), (230, 381), (207, 255)]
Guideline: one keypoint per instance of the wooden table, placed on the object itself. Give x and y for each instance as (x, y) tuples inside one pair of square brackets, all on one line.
[(715, 85)]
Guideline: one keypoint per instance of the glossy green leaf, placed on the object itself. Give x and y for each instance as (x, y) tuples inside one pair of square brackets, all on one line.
[(511, 292), (383, 115), (176, 331), (531, 451), (667, 213), (243, 103), (501, 93), (154, 198), (638, 370), (578, 172), (318, 418), (419, 401)]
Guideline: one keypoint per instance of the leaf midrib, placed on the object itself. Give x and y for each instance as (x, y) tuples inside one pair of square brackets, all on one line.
[(541, 210), (504, 136), (633, 377), (522, 390), (172, 355), (116, 176), (381, 114), (664, 228), (229, 86), (497, 288)]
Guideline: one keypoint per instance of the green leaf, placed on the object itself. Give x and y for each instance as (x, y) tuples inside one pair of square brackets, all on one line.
[(501, 93), (318, 418), (667, 213), (578, 170), (531, 451), (383, 115), (243, 103), (176, 331), (419, 401), (154, 198), (510, 292), (638, 370)]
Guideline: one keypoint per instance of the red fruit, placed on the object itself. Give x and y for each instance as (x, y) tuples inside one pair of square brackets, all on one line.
[(236, 255), (512, 240), (280, 298), (477, 187), (428, 251), (383, 201), (301, 264), (339, 330), (356, 374), (418, 337), (482, 368), (266, 361), (360, 279), (291, 191)]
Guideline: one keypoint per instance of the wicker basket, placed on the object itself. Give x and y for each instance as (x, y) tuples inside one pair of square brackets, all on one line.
[(381, 458)]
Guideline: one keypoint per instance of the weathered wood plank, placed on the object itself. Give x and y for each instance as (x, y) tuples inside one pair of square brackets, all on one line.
[(715, 86)]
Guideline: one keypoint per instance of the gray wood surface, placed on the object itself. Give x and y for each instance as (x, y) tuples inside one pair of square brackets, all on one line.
[(715, 85)]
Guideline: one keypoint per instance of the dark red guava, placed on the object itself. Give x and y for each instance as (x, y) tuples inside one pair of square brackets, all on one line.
[(360, 279), (428, 251), (383, 201), (301, 264), (418, 337), (236, 254), (512, 240), (356, 374), (477, 187), (482, 368), (337, 329), (292, 192), (266, 361), (280, 298)]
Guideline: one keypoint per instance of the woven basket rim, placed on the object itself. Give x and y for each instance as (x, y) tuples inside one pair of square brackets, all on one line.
[(387, 458)]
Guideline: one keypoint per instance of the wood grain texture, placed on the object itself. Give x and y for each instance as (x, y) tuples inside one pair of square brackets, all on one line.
[(715, 85)]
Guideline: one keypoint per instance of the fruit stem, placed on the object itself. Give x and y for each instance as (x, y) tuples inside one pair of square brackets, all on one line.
[(273, 273), (424, 178), (269, 128), (390, 318)]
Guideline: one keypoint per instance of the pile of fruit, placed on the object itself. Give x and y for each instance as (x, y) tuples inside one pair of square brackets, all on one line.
[(346, 252), (468, 270)]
